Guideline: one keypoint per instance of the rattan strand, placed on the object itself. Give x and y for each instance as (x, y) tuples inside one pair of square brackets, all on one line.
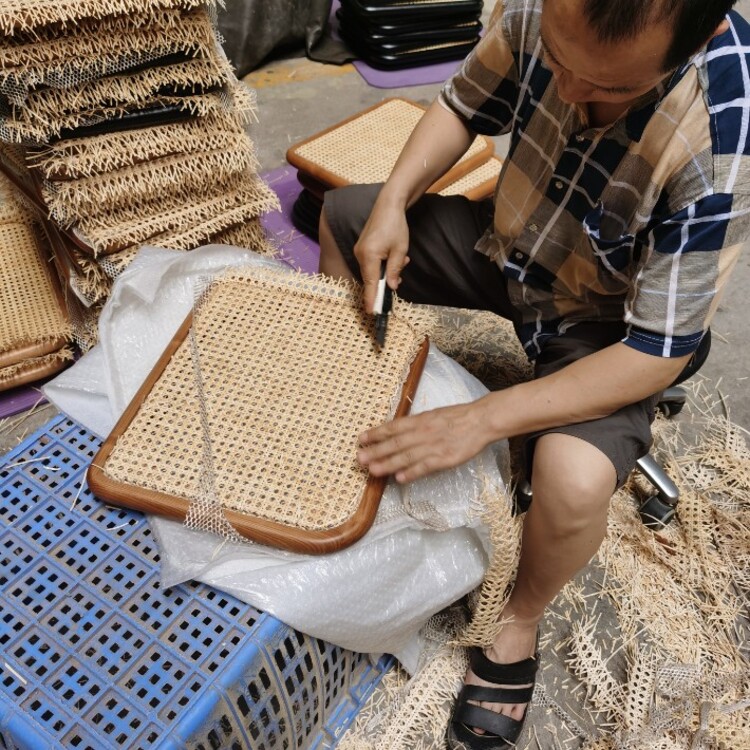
[(72, 201), (21, 16), (73, 59), (34, 369), (249, 234), (237, 99), (86, 157), (365, 149), (50, 111), (90, 38), (30, 311), (291, 377), (189, 214)]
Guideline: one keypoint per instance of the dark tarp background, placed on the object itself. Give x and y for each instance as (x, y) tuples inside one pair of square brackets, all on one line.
[(253, 29)]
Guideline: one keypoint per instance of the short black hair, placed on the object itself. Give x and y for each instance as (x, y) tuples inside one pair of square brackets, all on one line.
[(693, 21)]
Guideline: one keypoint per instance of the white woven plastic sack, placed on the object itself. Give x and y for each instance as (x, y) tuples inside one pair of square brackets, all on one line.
[(426, 549)]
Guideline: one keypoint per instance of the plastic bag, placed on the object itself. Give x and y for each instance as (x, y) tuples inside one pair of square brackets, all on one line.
[(426, 549)]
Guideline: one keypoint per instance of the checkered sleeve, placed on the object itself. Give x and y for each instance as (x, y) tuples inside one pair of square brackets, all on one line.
[(687, 262), (484, 90)]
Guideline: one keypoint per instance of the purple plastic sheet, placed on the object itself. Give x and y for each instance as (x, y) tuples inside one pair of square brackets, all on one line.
[(19, 399), (295, 248)]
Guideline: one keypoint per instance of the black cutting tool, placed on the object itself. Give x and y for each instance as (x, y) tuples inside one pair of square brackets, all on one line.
[(382, 308)]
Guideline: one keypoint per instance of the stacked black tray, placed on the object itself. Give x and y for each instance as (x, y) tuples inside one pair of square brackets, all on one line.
[(392, 34)]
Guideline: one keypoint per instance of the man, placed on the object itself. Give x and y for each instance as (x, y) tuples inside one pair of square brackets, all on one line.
[(619, 214)]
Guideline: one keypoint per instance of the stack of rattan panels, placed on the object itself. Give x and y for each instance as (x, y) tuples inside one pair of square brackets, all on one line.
[(35, 330), (363, 150), (392, 34), (131, 126)]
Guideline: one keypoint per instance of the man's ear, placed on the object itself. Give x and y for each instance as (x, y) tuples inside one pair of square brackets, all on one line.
[(720, 29)]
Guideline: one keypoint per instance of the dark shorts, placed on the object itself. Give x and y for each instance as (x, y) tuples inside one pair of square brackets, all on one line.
[(445, 269)]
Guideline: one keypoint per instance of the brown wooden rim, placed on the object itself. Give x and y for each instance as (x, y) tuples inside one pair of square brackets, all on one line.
[(256, 529), (36, 372), (321, 174), (31, 351)]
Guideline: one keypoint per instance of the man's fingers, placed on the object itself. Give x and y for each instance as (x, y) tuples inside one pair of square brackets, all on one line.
[(370, 269), (396, 263)]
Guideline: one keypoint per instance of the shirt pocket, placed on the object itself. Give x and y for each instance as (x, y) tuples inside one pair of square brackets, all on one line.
[(614, 254)]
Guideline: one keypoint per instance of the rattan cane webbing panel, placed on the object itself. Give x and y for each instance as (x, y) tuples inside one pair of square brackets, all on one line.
[(31, 309), (21, 16), (73, 200), (49, 111), (363, 149), (76, 158), (479, 183), (290, 378), (102, 48), (37, 368), (190, 215)]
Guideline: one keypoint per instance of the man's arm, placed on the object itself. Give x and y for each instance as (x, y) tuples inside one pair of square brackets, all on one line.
[(436, 144), (592, 387)]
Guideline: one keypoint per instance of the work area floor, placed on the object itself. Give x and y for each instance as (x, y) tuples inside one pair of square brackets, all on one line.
[(297, 98)]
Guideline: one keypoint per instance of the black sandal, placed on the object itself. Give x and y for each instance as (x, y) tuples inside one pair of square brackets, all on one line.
[(502, 731)]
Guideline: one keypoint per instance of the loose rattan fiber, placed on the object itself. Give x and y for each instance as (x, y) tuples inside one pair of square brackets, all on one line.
[(26, 16), (364, 148), (77, 158), (180, 220), (290, 377), (49, 111), (32, 312), (37, 368), (241, 233), (101, 48), (73, 200)]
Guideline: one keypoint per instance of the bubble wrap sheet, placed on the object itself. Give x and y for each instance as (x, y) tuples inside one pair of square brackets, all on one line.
[(426, 549)]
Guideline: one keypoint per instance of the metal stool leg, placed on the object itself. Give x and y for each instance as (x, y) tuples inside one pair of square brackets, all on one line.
[(658, 509)]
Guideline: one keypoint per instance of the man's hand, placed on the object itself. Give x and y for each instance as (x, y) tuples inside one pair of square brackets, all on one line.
[(385, 237), (412, 447)]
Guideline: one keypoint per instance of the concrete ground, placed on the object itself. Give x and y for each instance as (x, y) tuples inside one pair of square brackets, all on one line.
[(297, 98)]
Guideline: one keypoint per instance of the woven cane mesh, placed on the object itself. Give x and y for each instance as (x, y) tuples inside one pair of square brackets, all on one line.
[(87, 157), (249, 234), (477, 184), (49, 111), (30, 310), (100, 48), (71, 201), (33, 369), (181, 220), (365, 149), (290, 378), (23, 16)]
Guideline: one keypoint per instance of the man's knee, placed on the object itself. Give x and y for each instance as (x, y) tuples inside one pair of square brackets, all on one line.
[(572, 480)]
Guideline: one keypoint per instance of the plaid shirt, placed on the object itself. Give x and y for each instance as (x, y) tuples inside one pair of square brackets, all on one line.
[(640, 221)]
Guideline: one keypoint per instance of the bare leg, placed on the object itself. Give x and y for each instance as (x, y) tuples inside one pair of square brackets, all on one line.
[(332, 262), (572, 483)]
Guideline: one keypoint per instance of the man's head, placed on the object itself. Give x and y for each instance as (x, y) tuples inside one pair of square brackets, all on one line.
[(692, 22), (616, 50)]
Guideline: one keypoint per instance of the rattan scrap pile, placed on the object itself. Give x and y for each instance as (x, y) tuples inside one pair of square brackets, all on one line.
[(123, 123)]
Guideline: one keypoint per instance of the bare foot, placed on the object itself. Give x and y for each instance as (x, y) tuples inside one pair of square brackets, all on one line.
[(515, 642)]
